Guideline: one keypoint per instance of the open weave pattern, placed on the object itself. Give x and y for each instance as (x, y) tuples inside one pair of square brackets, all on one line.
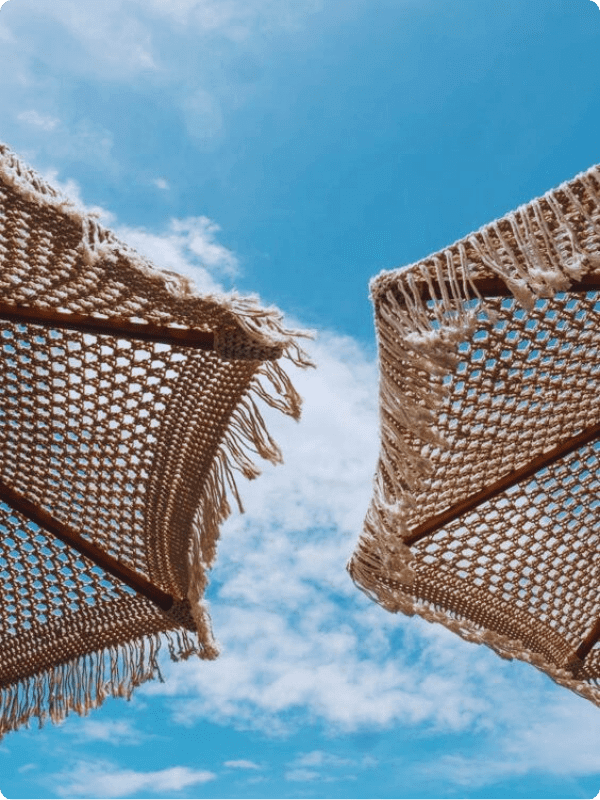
[(470, 390), (132, 444)]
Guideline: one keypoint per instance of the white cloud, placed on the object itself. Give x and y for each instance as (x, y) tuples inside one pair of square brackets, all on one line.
[(305, 767), (71, 189), (118, 39), (161, 183), (298, 638), (188, 52), (233, 18), (318, 758), (241, 764), (115, 732), (562, 739), (103, 779), (43, 121), (188, 246), (5, 35), (203, 115), (302, 775)]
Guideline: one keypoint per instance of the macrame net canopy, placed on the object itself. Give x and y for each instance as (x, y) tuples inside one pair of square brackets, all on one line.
[(127, 401), (485, 514)]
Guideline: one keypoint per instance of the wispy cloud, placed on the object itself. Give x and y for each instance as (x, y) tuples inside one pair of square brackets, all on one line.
[(321, 766), (241, 764), (27, 768), (117, 39), (132, 43), (318, 758), (120, 37), (298, 639), (188, 246), (564, 739), (71, 189), (233, 18), (302, 775), (104, 779), (115, 732), (203, 115), (43, 121)]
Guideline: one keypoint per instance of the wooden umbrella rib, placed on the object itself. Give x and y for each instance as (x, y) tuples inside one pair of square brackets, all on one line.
[(590, 640), (490, 288), (496, 287), (83, 546), (111, 326), (566, 447)]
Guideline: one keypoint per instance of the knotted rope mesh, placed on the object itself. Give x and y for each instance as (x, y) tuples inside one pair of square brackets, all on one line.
[(489, 356), (133, 444)]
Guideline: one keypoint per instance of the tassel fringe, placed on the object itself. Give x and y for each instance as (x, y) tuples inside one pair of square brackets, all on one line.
[(84, 683), (246, 433), (263, 325), (537, 250)]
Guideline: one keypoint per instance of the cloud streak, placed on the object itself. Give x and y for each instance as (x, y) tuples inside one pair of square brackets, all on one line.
[(118, 43), (241, 764), (563, 740), (115, 732), (43, 121), (188, 246), (104, 779)]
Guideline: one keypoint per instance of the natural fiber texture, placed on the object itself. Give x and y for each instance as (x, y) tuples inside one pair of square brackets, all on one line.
[(470, 390), (132, 444)]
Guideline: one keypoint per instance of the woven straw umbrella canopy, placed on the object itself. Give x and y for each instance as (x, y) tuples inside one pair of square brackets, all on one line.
[(127, 401), (485, 514)]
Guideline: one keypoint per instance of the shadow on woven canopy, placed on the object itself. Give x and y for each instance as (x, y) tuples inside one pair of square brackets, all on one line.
[(485, 514), (127, 402)]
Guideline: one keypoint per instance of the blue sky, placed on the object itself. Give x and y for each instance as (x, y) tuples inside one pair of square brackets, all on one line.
[(295, 149)]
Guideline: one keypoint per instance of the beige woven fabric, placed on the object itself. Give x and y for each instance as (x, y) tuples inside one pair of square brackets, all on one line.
[(470, 390), (133, 444)]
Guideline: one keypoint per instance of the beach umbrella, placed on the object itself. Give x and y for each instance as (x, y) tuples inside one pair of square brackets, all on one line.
[(485, 515), (127, 402)]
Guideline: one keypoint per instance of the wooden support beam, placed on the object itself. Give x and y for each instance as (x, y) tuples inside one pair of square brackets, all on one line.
[(510, 479), (71, 537), (496, 287), (590, 640), (109, 326)]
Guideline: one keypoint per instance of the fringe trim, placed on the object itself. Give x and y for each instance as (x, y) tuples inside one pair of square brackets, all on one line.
[(246, 433), (396, 601), (544, 255), (263, 325), (84, 683)]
